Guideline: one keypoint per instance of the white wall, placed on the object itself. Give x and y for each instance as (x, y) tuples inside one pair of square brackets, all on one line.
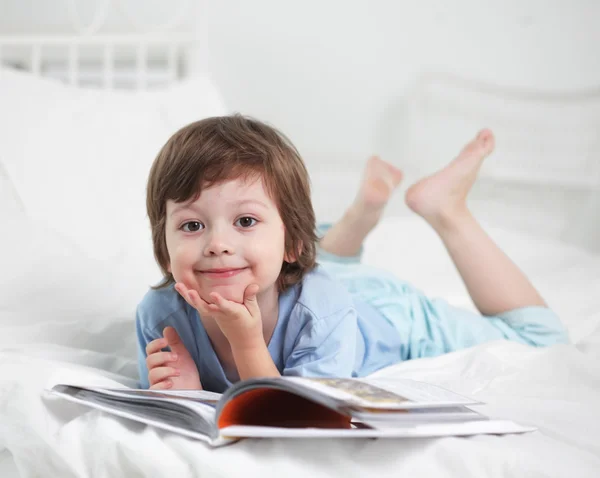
[(330, 72)]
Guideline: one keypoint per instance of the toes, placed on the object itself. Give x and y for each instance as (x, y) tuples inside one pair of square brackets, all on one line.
[(411, 197), (396, 174), (375, 162), (481, 146), (484, 134), (486, 140), (378, 167)]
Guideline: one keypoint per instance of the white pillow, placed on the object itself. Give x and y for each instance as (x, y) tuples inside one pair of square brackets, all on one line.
[(75, 242), (79, 158)]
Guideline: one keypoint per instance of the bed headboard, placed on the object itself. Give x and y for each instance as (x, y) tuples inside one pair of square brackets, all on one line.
[(93, 55), (129, 61)]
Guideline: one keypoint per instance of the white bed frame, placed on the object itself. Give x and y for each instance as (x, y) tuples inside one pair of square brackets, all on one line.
[(147, 56), (132, 61)]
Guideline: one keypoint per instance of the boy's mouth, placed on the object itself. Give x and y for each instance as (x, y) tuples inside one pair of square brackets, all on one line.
[(222, 272)]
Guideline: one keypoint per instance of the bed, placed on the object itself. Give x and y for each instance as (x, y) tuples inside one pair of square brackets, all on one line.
[(76, 269)]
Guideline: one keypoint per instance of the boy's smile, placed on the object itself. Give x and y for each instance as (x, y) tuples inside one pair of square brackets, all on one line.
[(222, 273), (221, 276)]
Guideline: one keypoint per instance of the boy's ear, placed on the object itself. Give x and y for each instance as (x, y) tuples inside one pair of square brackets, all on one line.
[(290, 257)]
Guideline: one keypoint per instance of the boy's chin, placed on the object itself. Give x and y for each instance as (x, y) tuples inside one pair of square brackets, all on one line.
[(234, 293)]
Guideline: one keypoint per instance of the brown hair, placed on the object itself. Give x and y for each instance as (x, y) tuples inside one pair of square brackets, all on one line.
[(229, 147)]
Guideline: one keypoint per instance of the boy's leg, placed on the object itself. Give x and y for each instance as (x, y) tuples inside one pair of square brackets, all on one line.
[(346, 236), (494, 282)]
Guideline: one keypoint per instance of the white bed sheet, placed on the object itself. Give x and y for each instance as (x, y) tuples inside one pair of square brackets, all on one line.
[(556, 389), (8, 468)]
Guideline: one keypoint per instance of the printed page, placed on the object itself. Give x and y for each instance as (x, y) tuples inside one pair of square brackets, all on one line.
[(396, 394), (200, 401), (421, 393)]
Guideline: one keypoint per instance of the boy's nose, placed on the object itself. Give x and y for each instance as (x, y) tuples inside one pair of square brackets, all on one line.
[(218, 245), (218, 250)]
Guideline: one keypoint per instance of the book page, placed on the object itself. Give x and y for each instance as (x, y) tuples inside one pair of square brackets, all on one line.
[(198, 401), (396, 394), (169, 414), (199, 396), (420, 392), (378, 418), (477, 427)]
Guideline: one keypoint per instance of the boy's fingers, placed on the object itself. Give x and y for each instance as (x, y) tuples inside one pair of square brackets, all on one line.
[(171, 336), (159, 374), (184, 292), (160, 358), (165, 384), (175, 343), (251, 291), (250, 299), (156, 346), (224, 306), (231, 308), (196, 300), (192, 297), (181, 288)]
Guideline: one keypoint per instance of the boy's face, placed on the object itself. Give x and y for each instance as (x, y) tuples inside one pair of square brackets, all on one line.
[(230, 237)]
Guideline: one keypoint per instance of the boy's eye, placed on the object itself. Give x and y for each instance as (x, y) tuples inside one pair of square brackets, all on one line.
[(246, 221), (192, 226)]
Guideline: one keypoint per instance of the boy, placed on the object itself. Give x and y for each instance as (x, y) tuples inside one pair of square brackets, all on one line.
[(243, 296)]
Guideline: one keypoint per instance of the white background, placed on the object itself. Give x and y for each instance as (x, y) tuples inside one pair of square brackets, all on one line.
[(332, 73)]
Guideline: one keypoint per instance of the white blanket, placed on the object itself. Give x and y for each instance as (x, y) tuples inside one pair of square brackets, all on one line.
[(556, 389)]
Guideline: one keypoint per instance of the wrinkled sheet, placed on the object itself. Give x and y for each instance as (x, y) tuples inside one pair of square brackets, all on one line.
[(556, 389)]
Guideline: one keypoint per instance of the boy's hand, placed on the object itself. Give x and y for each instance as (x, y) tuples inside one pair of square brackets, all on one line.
[(171, 370), (240, 323)]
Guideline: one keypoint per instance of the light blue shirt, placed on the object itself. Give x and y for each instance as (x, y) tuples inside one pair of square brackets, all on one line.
[(324, 329)]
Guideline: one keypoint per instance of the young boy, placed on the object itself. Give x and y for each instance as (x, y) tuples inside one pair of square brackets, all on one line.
[(243, 296)]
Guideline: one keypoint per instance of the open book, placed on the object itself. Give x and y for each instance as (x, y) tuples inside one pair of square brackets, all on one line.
[(298, 407)]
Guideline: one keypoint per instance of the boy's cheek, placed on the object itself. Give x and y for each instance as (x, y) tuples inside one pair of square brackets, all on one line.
[(182, 258), (268, 249), (183, 271)]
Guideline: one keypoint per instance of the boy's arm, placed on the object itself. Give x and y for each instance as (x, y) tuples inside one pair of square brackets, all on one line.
[(253, 361)]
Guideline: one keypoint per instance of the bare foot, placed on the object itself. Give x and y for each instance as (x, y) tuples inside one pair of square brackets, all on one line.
[(379, 181), (439, 197)]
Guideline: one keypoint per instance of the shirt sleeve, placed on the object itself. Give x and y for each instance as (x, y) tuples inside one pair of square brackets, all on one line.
[(144, 337), (325, 346)]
